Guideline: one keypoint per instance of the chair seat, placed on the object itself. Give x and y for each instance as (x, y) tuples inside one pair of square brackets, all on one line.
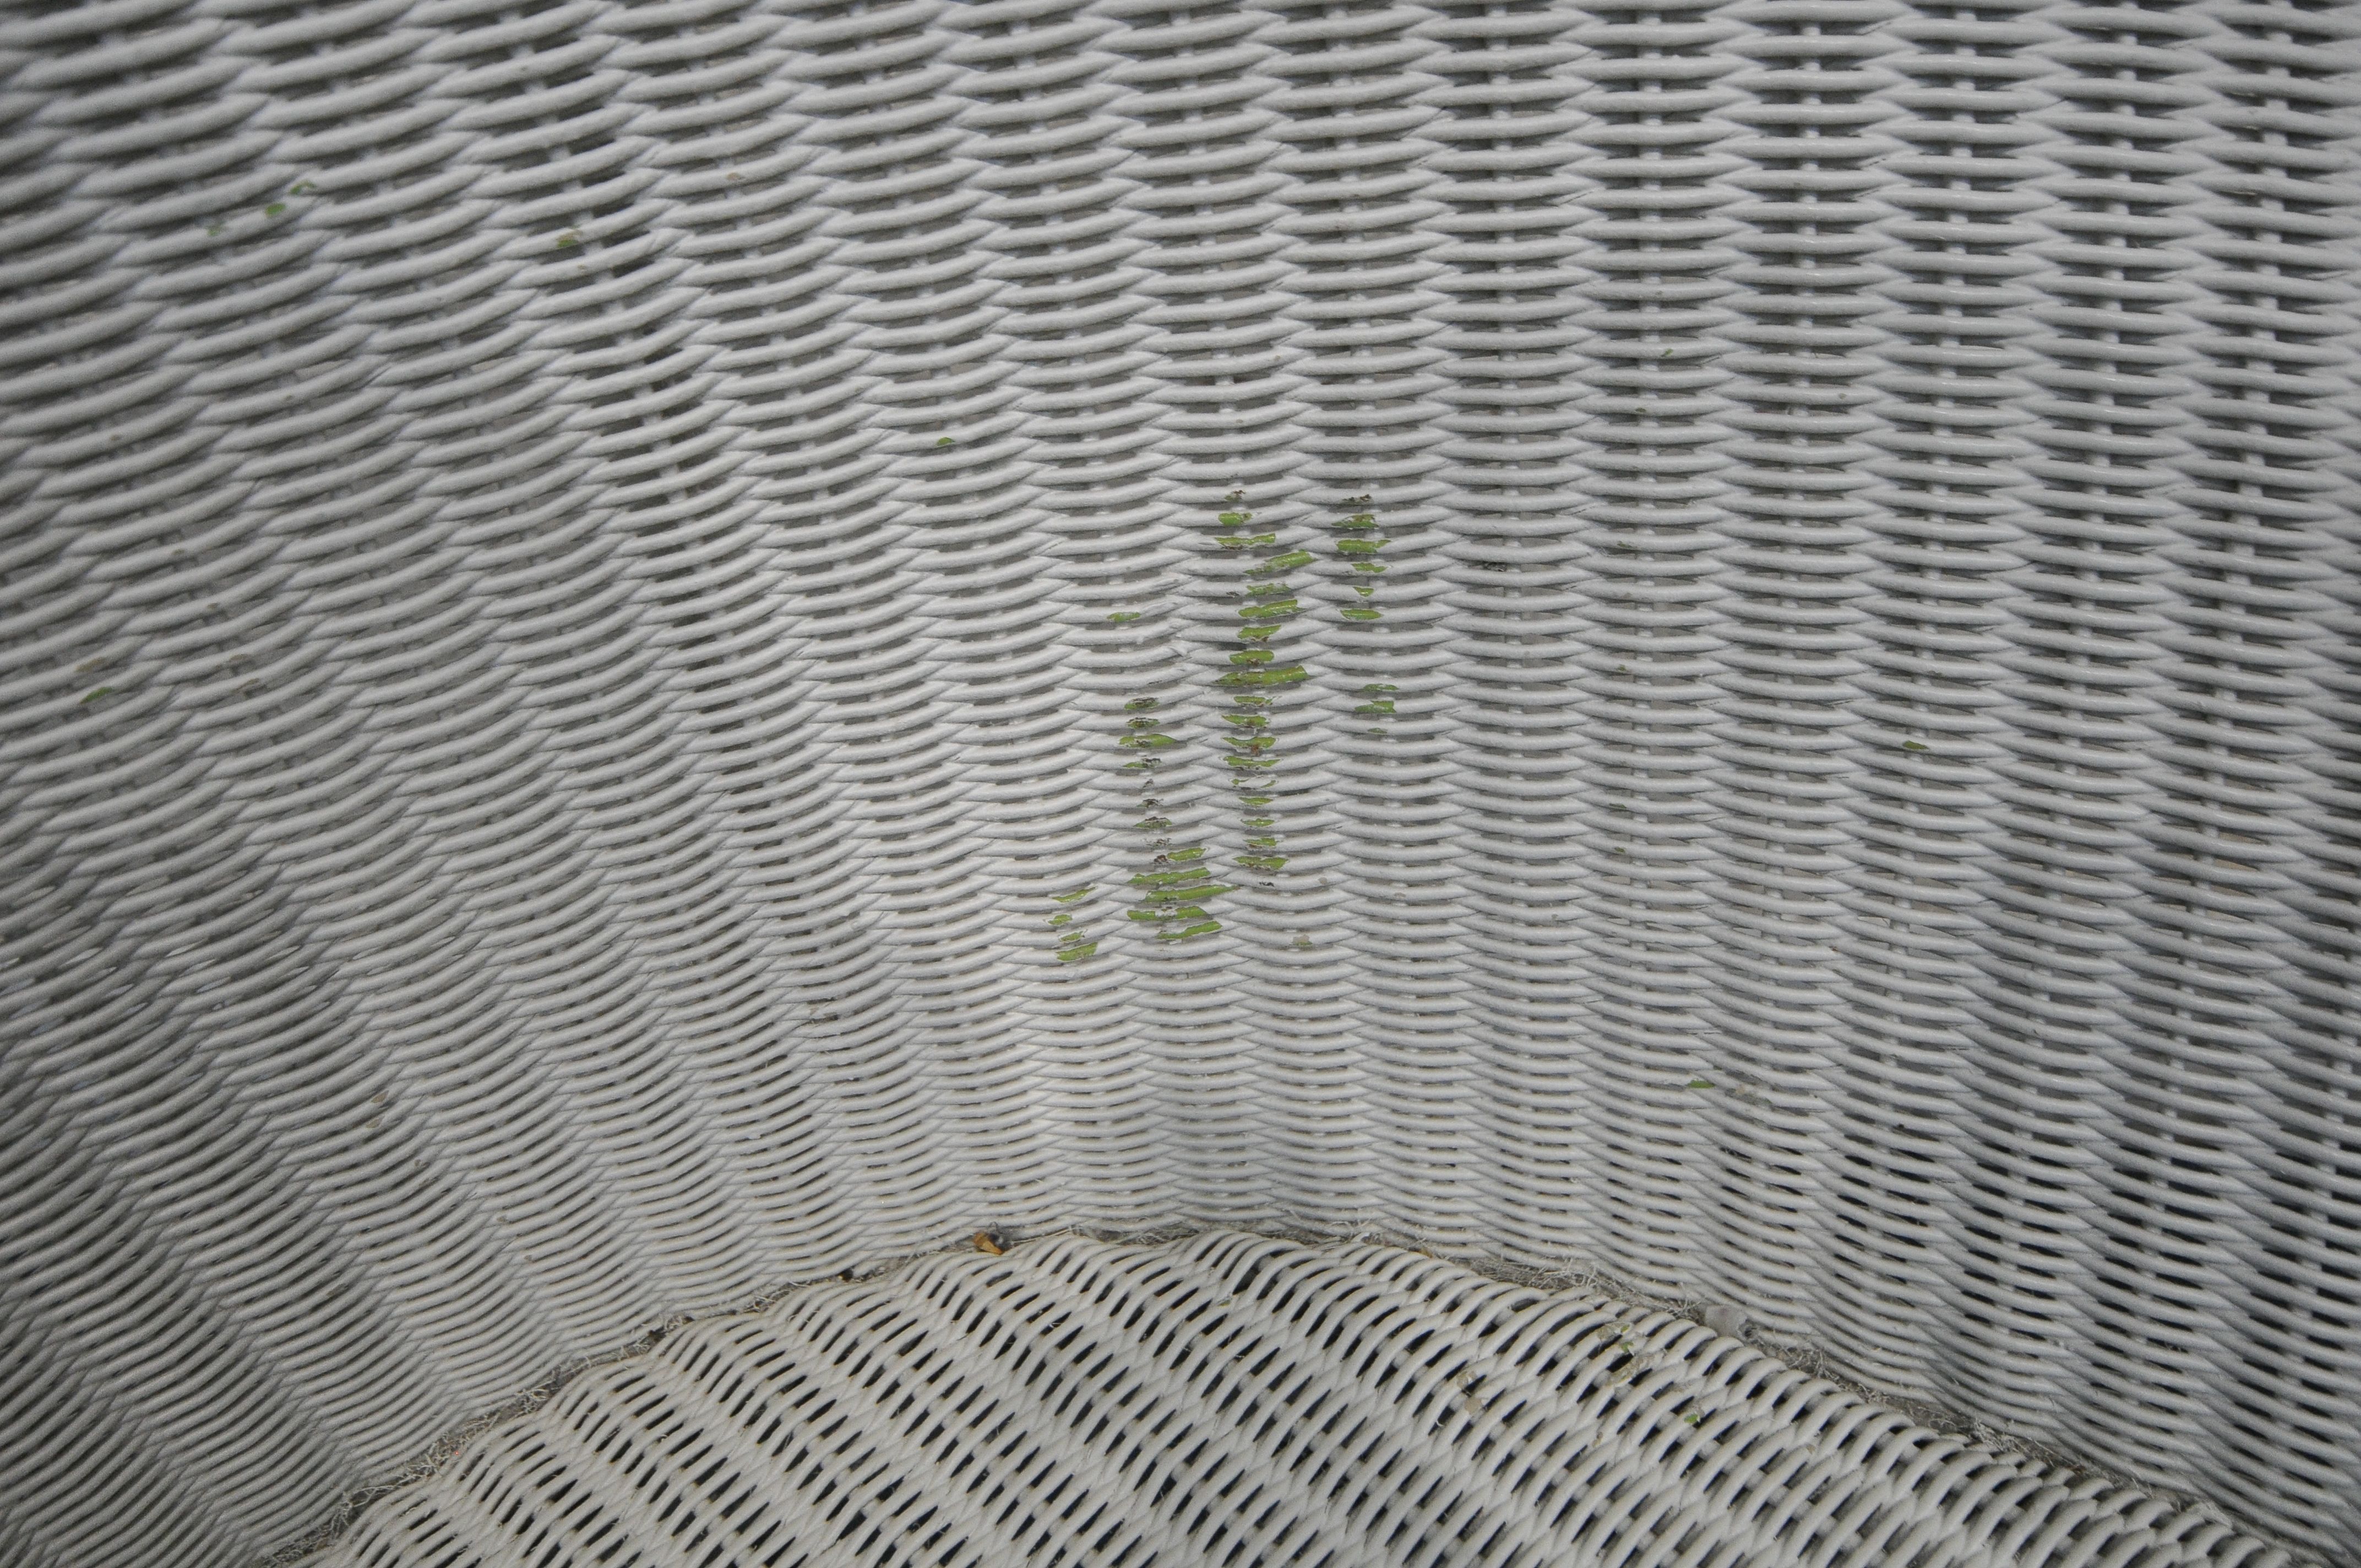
[(1238, 1400)]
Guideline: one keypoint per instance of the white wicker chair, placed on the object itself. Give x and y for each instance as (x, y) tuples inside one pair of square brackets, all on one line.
[(660, 651)]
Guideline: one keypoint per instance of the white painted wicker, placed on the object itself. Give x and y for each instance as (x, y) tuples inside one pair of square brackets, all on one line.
[(1234, 1400), (577, 577)]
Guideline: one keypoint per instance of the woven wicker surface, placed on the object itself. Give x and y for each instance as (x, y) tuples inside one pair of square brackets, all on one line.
[(1236, 1400), (575, 573)]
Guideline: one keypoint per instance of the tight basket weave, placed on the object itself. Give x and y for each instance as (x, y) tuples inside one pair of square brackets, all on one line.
[(658, 649), (1241, 1400)]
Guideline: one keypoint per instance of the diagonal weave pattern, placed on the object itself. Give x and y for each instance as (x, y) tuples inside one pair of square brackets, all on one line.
[(573, 574), (1238, 1400)]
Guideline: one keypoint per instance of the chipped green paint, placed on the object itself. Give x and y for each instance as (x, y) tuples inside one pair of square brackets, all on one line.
[(1073, 942), (273, 210), (1172, 894), (1358, 546), (1144, 733), (99, 692), (1266, 601)]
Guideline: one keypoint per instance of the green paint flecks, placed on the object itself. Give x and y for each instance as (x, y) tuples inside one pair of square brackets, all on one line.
[(1172, 894), (1074, 943), (1178, 883), (1358, 544), (1359, 547), (1265, 602)]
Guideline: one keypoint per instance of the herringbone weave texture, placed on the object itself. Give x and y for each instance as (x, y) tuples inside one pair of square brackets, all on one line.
[(624, 687)]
